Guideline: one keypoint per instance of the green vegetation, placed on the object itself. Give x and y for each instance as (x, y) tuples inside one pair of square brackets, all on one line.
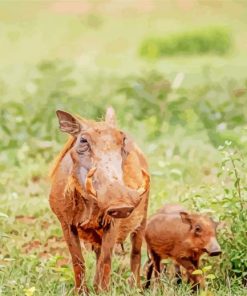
[(210, 40), (187, 113)]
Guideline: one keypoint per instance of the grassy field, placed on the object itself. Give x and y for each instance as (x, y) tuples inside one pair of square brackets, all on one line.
[(187, 113)]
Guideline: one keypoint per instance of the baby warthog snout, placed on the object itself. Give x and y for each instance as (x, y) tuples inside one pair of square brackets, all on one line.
[(213, 247)]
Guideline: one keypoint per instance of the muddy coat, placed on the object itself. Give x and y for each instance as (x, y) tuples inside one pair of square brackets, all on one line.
[(174, 233), (99, 193)]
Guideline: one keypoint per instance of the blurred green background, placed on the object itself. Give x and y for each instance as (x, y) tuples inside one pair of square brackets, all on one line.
[(175, 72)]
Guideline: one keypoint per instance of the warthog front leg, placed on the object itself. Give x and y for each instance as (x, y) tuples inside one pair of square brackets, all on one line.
[(103, 269), (73, 242)]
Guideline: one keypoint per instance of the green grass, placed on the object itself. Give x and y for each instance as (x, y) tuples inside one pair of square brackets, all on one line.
[(181, 139), (179, 110)]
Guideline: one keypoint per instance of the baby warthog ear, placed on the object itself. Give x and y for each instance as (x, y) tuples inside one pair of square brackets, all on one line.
[(186, 218), (68, 123), (220, 225), (110, 117)]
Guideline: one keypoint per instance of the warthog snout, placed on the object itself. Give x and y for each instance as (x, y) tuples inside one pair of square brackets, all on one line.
[(120, 211), (123, 199), (215, 253)]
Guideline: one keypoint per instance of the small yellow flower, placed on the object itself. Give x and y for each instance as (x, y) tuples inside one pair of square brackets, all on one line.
[(197, 271), (29, 291)]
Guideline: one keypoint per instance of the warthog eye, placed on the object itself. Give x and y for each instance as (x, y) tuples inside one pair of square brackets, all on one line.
[(83, 140), (198, 229), (83, 146), (125, 147)]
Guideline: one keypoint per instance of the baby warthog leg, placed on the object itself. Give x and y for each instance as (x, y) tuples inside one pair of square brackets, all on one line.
[(153, 264), (178, 273), (149, 272), (196, 280)]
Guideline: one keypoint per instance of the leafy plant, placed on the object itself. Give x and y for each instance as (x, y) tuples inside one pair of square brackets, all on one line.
[(215, 40), (229, 206), (234, 237)]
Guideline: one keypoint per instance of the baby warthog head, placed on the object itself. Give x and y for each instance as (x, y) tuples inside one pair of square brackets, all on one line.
[(99, 156), (202, 233)]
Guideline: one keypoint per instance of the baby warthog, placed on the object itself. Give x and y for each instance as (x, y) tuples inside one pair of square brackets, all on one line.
[(174, 233)]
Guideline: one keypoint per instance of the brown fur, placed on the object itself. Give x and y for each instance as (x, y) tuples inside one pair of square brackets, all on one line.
[(173, 233), (70, 142), (116, 181)]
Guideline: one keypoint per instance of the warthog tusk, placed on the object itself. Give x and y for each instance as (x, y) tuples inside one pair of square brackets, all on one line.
[(146, 182), (89, 182)]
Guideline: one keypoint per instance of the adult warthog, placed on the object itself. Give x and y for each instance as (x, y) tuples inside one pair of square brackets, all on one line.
[(99, 193)]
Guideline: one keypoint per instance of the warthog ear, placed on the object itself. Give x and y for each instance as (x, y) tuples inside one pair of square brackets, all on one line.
[(186, 218), (110, 117), (68, 123)]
